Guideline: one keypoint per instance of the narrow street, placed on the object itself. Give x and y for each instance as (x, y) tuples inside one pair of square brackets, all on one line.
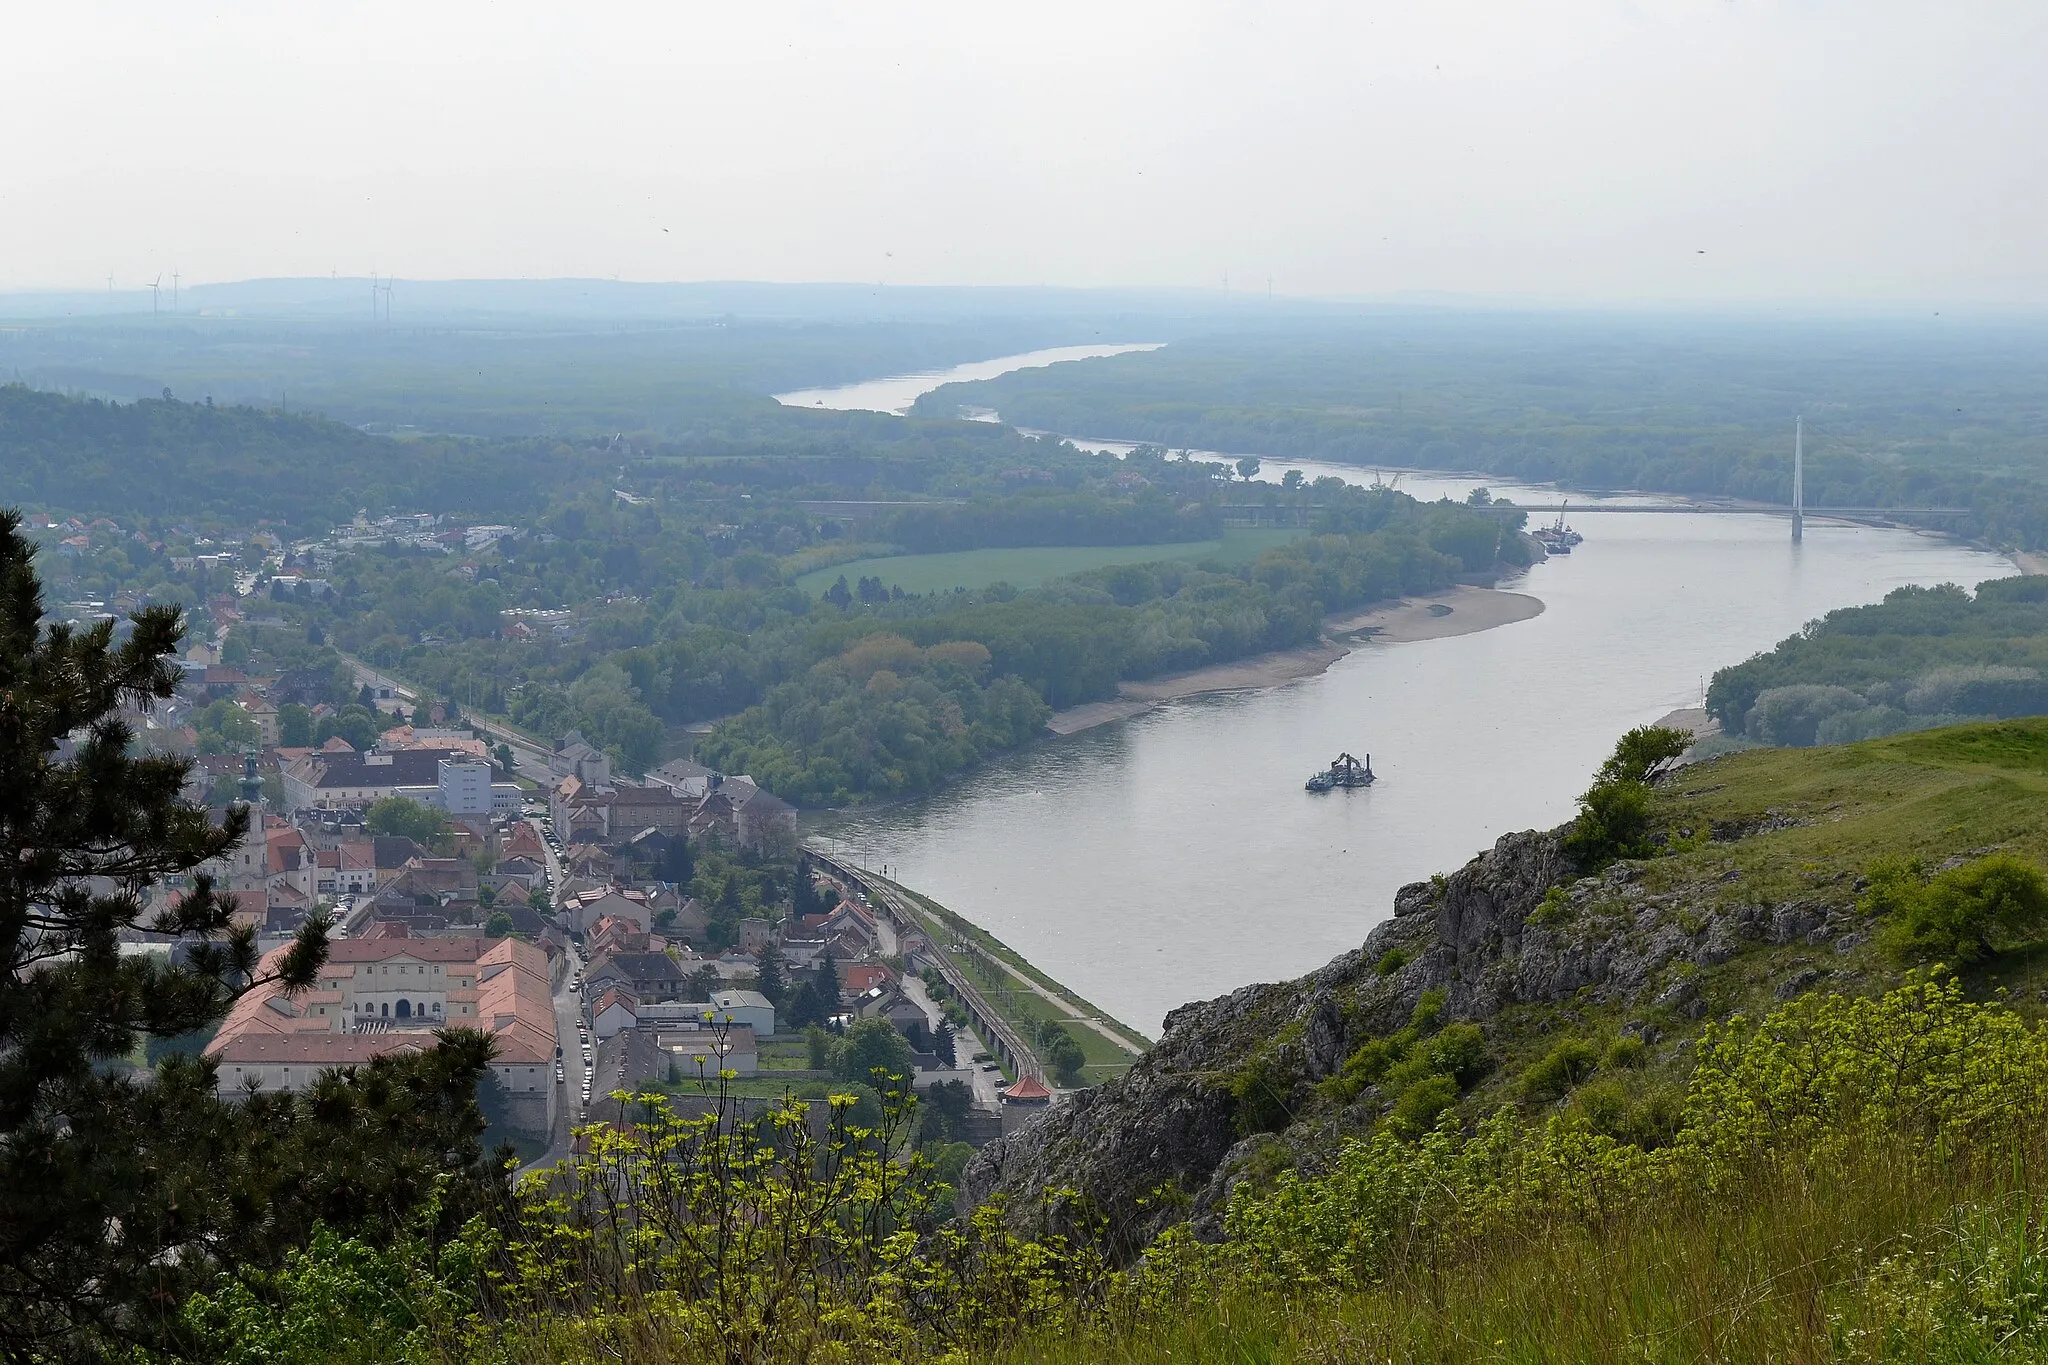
[(568, 1009), (965, 1044)]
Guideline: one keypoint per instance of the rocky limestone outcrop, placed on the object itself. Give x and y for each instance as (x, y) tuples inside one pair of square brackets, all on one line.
[(1157, 1144), (1165, 1143)]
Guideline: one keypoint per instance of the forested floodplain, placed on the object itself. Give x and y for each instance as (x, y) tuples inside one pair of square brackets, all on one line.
[(1923, 657), (1898, 413)]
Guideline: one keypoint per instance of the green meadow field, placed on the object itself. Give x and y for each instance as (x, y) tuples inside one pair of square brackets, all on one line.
[(1028, 566)]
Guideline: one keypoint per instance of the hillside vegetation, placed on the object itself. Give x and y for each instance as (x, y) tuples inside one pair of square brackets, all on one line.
[(1729, 1092)]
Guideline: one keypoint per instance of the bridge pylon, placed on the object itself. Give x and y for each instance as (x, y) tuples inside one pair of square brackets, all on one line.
[(1798, 479)]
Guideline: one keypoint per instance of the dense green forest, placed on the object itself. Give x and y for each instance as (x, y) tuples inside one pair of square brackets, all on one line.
[(160, 457), (1898, 413), (680, 626), (1922, 657)]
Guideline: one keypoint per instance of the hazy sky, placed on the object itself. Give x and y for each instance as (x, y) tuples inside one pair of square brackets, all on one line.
[(1556, 149)]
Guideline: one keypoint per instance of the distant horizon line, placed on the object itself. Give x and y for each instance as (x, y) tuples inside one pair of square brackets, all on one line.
[(1236, 299)]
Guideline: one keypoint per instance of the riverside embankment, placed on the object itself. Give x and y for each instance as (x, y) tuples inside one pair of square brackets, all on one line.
[(1005, 998), (1433, 616)]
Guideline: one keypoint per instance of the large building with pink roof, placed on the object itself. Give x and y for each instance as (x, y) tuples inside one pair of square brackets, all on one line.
[(389, 993)]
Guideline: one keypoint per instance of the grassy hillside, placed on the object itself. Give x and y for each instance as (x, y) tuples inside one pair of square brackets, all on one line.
[(1776, 828)]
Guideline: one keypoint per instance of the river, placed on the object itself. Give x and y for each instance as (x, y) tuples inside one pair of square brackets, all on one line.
[(1174, 856), (896, 393)]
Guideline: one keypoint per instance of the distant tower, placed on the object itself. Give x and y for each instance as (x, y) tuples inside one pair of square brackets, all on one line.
[(1798, 479), (252, 785)]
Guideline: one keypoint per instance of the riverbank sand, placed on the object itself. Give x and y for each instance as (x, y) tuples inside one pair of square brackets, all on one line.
[(1457, 611)]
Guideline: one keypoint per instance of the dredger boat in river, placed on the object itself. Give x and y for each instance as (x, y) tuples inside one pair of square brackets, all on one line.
[(1344, 771)]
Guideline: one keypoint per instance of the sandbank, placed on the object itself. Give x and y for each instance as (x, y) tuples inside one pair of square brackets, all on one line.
[(2029, 562), (1692, 719), (1456, 611)]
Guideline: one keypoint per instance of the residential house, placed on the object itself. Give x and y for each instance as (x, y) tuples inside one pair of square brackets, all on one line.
[(588, 860), (528, 872), (288, 863), (687, 918), (588, 907), (904, 1014), (801, 954), (524, 841), (700, 1054), (613, 1011), (750, 1008), (586, 812), (391, 852), (650, 976), (263, 714), (856, 979), (617, 934)]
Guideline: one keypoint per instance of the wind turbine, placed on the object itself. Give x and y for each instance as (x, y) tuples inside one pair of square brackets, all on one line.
[(174, 290), (373, 296), (388, 282), (154, 290)]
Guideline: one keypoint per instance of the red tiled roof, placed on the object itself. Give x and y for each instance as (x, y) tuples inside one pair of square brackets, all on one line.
[(512, 997), (321, 1049), (1027, 1089), (862, 977)]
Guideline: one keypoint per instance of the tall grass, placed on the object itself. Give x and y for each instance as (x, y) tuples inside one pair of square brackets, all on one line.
[(1888, 1254)]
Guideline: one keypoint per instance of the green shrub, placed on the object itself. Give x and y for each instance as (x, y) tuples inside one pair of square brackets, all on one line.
[(1400, 1059), (1262, 1090), (1563, 1067), (1391, 961), (1645, 1116), (1614, 814), (1604, 1105), (1421, 1104), (1459, 1051), (1646, 753), (1554, 908), (1429, 1008), (1625, 1052), (1961, 915), (1613, 823)]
